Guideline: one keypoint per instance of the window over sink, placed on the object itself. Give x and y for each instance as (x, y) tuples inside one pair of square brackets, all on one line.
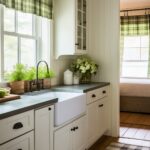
[(25, 38)]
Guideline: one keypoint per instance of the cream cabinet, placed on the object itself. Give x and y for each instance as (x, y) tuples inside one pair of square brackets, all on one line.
[(25, 142), (70, 27), (98, 115), (72, 136), (43, 128), (16, 125)]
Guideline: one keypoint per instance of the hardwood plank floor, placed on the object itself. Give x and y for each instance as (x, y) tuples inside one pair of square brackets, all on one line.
[(134, 130), (106, 140), (135, 126)]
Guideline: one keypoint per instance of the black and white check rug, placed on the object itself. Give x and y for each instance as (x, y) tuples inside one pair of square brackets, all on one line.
[(120, 146)]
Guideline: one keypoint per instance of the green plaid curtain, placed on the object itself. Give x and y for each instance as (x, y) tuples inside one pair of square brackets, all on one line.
[(38, 7), (135, 25)]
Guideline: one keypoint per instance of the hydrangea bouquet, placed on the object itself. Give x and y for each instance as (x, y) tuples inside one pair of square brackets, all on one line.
[(84, 67)]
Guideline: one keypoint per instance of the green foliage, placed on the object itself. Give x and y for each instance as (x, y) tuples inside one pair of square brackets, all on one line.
[(21, 72), (17, 74), (44, 74), (30, 74), (3, 92), (84, 66)]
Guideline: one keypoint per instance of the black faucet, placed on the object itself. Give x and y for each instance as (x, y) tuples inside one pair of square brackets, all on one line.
[(37, 73)]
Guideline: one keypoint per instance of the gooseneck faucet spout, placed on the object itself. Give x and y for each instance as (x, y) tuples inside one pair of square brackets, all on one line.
[(37, 72)]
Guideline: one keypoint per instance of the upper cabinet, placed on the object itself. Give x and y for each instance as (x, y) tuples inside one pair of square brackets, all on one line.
[(70, 27)]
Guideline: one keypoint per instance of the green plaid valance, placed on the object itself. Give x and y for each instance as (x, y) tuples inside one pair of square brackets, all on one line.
[(38, 7), (135, 25)]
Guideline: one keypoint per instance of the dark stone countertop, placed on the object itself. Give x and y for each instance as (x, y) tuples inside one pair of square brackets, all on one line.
[(81, 88), (31, 101), (26, 103)]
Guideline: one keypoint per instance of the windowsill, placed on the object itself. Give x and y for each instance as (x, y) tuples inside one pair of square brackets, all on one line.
[(133, 80)]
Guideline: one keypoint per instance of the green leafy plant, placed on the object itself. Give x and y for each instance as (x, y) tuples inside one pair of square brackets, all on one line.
[(30, 74), (17, 74), (84, 66), (44, 74)]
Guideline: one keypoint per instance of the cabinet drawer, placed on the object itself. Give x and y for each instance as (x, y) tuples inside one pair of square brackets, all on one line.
[(103, 92), (16, 125), (93, 96), (25, 142)]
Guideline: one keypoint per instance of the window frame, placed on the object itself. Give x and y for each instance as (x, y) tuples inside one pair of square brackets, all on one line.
[(134, 60), (36, 35)]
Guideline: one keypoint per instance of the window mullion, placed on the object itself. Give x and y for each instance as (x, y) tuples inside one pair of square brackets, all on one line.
[(19, 49), (2, 43)]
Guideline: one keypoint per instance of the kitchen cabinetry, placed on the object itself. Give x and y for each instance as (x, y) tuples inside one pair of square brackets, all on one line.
[(70, 27), (25, 142), (72, 136), (16, 132), (98, 114), (43, 128)]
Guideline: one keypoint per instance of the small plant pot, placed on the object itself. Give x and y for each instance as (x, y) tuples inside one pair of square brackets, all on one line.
[(17, 87), (26, 86), (47, 83)]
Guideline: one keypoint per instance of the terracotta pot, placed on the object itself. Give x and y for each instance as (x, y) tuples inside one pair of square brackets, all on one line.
[(47, 83), (17, 87)]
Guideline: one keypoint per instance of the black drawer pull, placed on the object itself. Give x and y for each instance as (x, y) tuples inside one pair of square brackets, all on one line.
[(76, 128), (104, 92), (73, 129), (19, 149), (18, 125), (93, 95), (101, 105)]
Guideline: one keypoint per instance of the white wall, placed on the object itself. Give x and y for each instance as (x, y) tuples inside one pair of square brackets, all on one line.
[(103, 18)]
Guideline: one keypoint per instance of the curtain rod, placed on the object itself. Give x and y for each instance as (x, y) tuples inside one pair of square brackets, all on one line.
[(134, 9)]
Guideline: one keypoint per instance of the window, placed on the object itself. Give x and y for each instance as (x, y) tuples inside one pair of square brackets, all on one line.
[(24, 39), (135, 59)]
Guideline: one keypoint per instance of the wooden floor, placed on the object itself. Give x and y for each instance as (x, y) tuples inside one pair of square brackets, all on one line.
[(134, 129), (135, 118)]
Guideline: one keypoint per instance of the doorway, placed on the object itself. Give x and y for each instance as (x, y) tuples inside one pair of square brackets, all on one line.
[(135, 69)]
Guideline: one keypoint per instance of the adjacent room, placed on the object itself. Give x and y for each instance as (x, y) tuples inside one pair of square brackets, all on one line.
[(135, 69)]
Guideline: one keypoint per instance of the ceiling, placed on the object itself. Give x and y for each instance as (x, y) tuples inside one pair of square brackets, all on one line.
[(134, 4)]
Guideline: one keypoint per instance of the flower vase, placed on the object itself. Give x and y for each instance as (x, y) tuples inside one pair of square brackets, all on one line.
[(85, 79)]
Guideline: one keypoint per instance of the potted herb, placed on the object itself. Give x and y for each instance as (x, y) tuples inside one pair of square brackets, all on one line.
[(85, 67), (46, 76), (30, 75), (16, 79)]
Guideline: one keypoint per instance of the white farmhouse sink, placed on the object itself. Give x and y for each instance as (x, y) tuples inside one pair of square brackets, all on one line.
[(69, 106)]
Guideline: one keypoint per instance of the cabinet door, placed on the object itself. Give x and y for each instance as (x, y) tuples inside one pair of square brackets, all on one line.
[(102, 117), (105, 114), (81, 26), (99, 117), (63, 138), (92, 123), (43, 125), (80, 134)]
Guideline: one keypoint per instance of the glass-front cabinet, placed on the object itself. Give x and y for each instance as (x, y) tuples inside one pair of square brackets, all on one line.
[(70, 27), (81, 26)]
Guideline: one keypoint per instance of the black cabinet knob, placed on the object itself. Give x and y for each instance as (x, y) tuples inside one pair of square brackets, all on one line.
[(93, 95), (49, 108), (104, 92), (18, 125)]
